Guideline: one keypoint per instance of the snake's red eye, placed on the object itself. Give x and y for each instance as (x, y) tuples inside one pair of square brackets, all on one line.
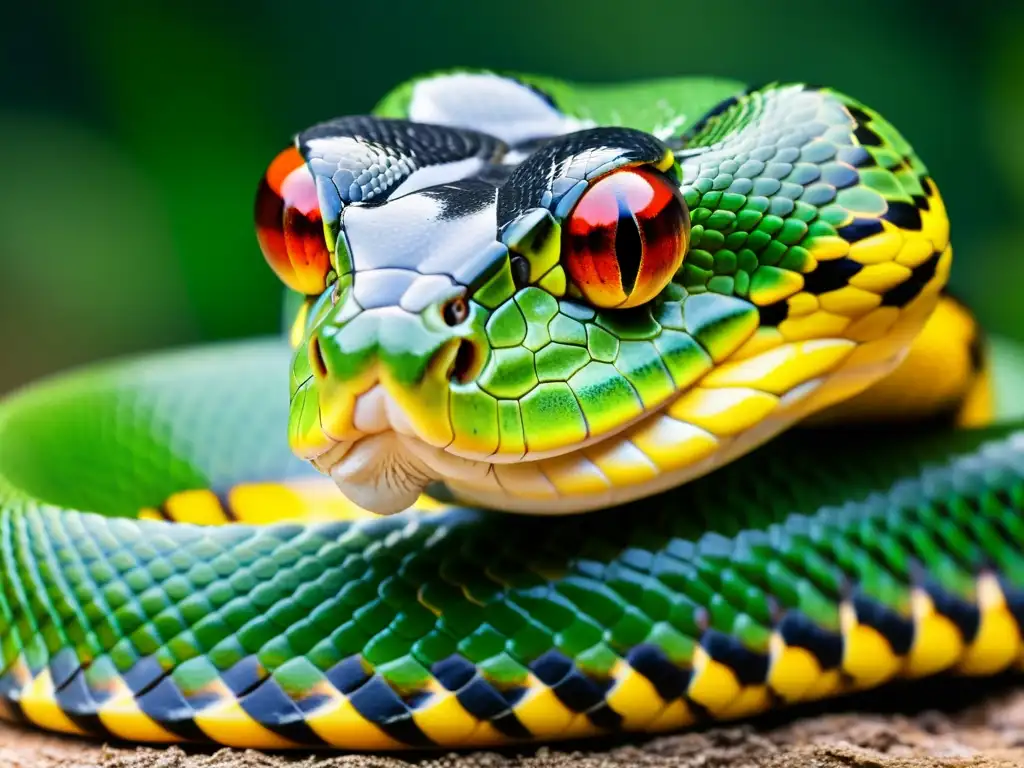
[(288, 224), (626, 238)]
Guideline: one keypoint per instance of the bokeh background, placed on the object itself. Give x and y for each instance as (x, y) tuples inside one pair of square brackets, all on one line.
[(132, 135)]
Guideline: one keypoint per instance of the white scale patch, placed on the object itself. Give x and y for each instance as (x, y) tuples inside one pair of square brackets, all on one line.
[(491, 104)]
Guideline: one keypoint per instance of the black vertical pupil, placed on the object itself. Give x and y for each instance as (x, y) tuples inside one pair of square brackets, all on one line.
[(629, 247)]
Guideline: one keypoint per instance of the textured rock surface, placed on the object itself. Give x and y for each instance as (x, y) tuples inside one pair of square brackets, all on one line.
[(946, 723)]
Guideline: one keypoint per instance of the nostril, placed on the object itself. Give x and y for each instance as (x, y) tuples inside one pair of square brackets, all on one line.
[(316, 358), (465, 366)]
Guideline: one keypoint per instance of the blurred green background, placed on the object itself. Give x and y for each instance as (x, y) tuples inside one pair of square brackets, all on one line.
[(132, 135)]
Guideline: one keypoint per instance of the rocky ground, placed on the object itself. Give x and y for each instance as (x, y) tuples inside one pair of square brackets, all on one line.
[(942, 722)]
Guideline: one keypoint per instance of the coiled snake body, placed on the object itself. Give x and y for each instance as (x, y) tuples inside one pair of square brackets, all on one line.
[(585, 307)]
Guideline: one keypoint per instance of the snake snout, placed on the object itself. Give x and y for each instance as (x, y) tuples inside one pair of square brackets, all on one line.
[(389, 385), (385, 386), (462, 359)]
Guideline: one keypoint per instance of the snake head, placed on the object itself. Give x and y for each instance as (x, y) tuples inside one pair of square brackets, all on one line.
[(553, 326)]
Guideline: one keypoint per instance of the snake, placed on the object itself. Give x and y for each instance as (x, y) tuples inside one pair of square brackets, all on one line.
[(599, 408)]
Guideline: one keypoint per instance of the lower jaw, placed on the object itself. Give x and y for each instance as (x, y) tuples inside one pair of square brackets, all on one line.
[(385, 473), (544, 496), (586, 480)]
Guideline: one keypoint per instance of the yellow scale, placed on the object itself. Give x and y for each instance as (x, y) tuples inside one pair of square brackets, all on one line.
[(312, 500)]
